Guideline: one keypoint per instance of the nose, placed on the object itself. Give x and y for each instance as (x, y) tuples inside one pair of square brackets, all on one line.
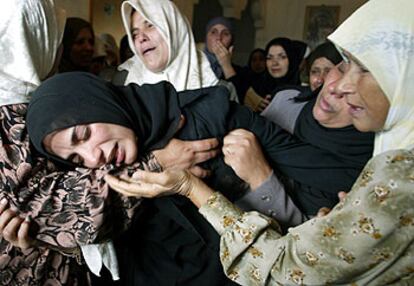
[(141, 37), (92, 156), (88, 46), (345, 85)]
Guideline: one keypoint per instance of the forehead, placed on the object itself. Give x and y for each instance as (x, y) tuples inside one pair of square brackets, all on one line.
[(137, 18), (219, 27), (276, 49), (322, 61)]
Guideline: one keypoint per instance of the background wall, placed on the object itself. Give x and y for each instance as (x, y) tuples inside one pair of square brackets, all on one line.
[(280, 18)]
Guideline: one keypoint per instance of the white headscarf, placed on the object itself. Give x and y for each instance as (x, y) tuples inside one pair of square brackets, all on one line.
[(381, 36), (187, 67), (30, 34)]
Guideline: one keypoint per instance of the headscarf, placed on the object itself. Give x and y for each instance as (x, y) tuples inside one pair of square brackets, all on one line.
[(295, 55), (326, 50), (381, 36), (31, 32), (111, 49), (151, 111), (187, 67)]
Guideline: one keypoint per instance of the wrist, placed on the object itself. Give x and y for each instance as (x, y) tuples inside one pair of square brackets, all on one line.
[(259, 177)]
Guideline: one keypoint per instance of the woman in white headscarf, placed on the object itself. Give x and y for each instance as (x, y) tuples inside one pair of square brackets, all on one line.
[(368, 239), (185, 66)]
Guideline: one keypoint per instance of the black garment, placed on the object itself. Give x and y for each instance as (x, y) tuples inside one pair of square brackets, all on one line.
[(153, 112), (346, 145)]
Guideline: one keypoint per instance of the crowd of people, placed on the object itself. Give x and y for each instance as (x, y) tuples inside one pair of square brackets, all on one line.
[(162, 162)]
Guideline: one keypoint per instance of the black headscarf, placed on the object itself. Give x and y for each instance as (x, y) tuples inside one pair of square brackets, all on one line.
[(75, 98), (295, 55), (325, 50)]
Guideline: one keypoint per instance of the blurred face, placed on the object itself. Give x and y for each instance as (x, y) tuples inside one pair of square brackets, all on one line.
[(277, 62), (149, 44), (82, 49), (218, 33), (258, 62), (331, 108), (93, 145), (368, 104), (318, 71)]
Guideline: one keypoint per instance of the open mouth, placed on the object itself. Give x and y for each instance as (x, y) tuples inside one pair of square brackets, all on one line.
[(325, 106), (148, 50)]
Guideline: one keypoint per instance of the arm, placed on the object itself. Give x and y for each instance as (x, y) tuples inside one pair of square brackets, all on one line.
[(267, 194), (367, 233), (367, 237)]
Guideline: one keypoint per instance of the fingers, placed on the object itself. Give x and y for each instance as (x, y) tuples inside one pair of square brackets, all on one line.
[(323, 212), (3, 205), (342, 196), (181, 123), (130, 187), (200, 172), (204, 144), (6, 216)]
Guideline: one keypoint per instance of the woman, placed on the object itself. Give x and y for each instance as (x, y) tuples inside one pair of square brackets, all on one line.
[(78, 46), (320, 62), (283, 58), (164, 47), (367, 239), (154, 121), (66, 208), (32, 28)]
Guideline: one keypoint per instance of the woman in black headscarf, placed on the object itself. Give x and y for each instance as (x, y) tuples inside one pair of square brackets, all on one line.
[(283, 59), (78, 46)]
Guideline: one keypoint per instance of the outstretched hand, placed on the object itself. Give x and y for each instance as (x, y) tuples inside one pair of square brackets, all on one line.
[(14, 228), (149, 184)]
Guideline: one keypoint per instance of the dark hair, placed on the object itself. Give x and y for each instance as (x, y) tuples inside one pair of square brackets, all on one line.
[(326, 50)]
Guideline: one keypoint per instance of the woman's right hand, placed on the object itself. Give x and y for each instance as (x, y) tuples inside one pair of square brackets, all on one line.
[(14, 228), (149, 185), (181, 155)]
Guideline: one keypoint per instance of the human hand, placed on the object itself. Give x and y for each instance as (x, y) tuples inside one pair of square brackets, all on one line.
[(264, 103), (324, 210), (14, 228), (222, 53), (242, 152), (181, 155), (150, 184)]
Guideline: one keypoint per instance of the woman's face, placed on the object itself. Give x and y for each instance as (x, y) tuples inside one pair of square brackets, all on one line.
[(93, 145), (218, 33), (81, 51), (258, 62), (331, 108), (318, 71), (149, 44), (277, 62), (368, 104)]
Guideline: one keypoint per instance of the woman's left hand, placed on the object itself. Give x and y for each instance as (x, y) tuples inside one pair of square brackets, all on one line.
[(149, 184)]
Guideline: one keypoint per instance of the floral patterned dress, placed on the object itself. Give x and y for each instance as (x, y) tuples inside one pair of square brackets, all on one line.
[(366, 240), (68, 209)]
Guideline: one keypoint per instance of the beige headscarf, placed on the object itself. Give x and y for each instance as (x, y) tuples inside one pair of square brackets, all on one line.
[(187, 67), (31, 31), (381, 36)]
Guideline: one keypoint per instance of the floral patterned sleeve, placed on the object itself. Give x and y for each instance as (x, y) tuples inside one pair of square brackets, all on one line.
[(366, 240)]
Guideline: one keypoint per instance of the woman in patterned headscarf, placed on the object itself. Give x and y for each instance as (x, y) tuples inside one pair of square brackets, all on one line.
[(367, 239)]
